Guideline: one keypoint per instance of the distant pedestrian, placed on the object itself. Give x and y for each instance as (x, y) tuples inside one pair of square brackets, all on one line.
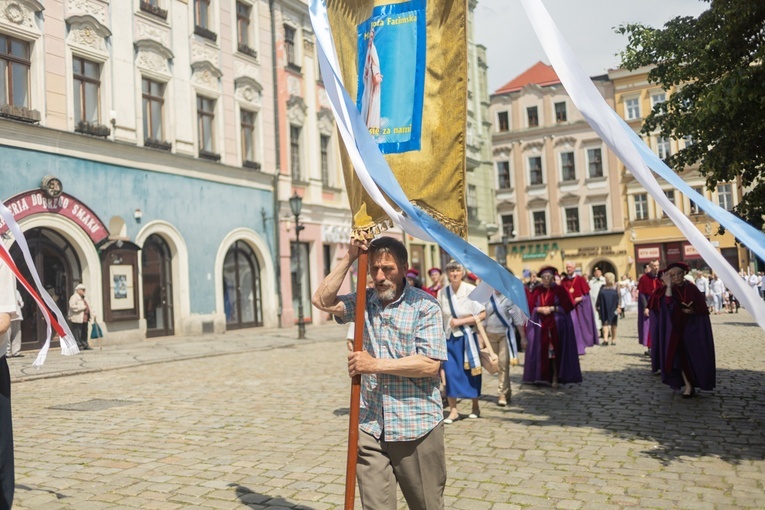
[(718, 288), (609, 307), (434, 274), (14, 346), (79, 316)]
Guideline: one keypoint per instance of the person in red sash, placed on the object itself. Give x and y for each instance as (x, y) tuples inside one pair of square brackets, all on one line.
[(551, 353), (648, 283), (435, 276), (583, 314), (686, 343)]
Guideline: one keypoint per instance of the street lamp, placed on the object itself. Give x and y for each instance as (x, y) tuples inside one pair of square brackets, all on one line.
[(296, 204)]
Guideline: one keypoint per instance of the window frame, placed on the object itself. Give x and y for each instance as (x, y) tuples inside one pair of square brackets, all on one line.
[(670, 194), (632, 112), (80, 90), (202, 114), (503, 121), (663, 144), (507, 226), (471, 202), (597, 217), (529, 117), (503, 175), (324, 149), (564, 167), (295, 145), (569, 220), (561, 115), (291, 48), (694, 208), (725, 190), (531, 170), (534, 222), (252, 136), (596, 162), (13, 59), (643, 203), (640, 206), (153, 141)]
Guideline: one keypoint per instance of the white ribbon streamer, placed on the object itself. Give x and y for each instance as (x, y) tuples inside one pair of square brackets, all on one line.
[(605, 123)]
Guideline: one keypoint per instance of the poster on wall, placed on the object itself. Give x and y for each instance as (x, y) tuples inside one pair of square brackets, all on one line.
[(121, 286)]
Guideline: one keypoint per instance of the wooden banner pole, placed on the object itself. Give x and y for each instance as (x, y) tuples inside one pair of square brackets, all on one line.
[(358, 344)]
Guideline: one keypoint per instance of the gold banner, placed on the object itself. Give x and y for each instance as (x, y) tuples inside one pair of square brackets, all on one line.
[(433, 177)]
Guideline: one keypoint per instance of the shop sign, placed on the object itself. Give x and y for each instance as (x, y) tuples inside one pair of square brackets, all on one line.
[(335, 234), (534, 251), (37, 202), (594, 251), (648, 253), (690, 252)]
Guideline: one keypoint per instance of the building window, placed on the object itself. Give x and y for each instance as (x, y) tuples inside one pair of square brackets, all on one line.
[(725, 196), (688, 140), (153, 103), (87, 85), (472, 202), (533, 116), (632, 107), (202, 13), (503, 174), (289, 46), (572, 220), (560, 112), (153, 7), (567, 168), (243, 43), (247, 120), (503, 121), (641, 206), (594, 163), (663, 147), (599, 218), (295, 152), (695, 209), (670, 194), (206, 126), (15, 65), (535, 170), (508, 225), (540, 223), (658, 97), (324, 142)]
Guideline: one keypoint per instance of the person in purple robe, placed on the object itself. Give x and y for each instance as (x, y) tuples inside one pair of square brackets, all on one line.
[(551, 352), (686, 344), (583, 314), (646, 286), (654, 323)]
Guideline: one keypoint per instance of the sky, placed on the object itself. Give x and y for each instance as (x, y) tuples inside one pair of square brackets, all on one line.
[(587, 25)]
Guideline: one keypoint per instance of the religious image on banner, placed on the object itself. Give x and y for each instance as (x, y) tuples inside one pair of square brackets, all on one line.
[(391, 75)]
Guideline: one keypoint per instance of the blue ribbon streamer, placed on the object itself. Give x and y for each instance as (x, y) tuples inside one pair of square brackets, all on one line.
[(744, 232)]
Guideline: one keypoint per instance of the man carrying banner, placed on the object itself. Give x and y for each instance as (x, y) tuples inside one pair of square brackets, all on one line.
[(401, 431), (7, 313)]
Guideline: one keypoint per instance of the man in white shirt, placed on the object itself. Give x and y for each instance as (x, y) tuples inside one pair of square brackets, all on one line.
[(7, 314), (596, 282)]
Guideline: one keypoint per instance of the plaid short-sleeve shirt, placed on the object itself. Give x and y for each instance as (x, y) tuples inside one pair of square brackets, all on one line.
[(401, 408)]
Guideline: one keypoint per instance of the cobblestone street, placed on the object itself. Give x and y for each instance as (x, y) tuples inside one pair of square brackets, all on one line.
[(254, 419)]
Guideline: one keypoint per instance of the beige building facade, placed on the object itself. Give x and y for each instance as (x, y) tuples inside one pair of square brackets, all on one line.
[(558, 186), (651, 233)]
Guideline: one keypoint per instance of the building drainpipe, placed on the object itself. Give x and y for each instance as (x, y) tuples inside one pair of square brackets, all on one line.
[(277, 236)]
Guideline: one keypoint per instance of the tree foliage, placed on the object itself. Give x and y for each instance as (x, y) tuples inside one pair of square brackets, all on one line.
[(714, 67)]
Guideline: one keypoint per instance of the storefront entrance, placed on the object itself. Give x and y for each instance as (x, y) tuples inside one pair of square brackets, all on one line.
[(59, 268), (241, 288), (156, 260)]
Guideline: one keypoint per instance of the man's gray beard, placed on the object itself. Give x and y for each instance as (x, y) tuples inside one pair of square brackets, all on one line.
[(386, 295)]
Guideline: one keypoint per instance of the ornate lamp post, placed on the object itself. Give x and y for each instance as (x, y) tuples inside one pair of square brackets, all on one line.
[(296, 204)]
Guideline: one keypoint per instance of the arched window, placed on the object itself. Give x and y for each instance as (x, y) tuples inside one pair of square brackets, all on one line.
[(241, 287)]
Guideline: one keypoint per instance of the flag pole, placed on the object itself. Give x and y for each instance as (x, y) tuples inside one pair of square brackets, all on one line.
[(358, 344)]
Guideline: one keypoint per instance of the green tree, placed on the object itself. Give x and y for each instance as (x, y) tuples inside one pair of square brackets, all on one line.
[(714, 66)]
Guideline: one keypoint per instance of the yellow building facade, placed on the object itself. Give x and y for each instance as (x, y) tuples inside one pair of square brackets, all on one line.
[(652, 235)]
